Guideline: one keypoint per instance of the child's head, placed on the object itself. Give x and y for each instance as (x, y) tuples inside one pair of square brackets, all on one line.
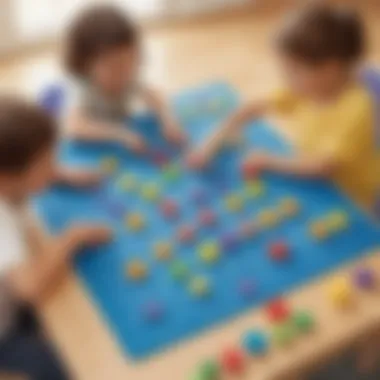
[(319, 46), (103, 46), (27, 148)]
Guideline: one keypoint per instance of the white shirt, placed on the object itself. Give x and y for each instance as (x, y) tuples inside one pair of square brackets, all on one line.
[(13, 252), (13, 241)]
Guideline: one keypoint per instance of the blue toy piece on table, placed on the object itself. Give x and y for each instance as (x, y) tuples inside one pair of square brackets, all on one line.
[(196, 288), (255, 342)]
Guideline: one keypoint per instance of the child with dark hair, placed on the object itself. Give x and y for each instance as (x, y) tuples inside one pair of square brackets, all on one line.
[(31, 264), (103, 54), (331, 114)]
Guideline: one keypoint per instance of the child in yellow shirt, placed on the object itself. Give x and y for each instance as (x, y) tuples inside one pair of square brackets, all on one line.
[(331, 114)]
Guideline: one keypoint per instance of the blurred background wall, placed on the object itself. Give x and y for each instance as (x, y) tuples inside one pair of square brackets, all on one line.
[(25, 22), (30, 22), (185, 41)]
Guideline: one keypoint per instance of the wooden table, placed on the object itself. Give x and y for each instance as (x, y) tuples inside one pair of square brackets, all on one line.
[(93, 354), (234, 48)]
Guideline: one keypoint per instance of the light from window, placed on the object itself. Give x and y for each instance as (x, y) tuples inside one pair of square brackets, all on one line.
[(40, 18)]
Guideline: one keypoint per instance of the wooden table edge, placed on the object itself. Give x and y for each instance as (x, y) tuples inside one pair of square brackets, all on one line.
[(92, 353)]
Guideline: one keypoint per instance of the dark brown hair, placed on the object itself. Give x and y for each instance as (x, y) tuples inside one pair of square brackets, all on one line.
[(95, 31), (318, 33), (25, 132)]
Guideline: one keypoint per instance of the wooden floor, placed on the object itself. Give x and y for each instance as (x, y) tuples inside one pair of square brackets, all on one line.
[(234, 47)]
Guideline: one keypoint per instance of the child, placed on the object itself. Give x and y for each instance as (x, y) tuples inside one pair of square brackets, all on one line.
[(30, 264), (331, 114), (103, 55)]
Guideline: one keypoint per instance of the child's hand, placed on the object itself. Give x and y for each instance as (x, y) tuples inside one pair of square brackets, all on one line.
[(173, 133), (81, 236), (198, 159), (82, 178), (257, 162), (135, 142)]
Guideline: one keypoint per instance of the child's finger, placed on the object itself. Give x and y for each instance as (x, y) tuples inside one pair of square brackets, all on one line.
[(251, 168), (195, 161), (98, 235), (181, 138), (93, 178), (104, 234), (140, 147)]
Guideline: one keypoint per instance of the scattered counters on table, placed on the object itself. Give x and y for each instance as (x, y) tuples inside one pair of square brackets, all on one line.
[(255, 342), (303, 321), (209, 252), (318, 230), (150, 192), (210, 240), (289, 207), (169, 209), (286, 327), (267, 218), (365, 278), (337, 221), (186, 234), (341, 292), (153, 311), (127, 182), (200, 287), (207, 370), (207, 218), (329, 225), (233, 361), (234, 203), (229, 241), (254, 189), (284, 334), (171, 172), (136, 270), (279, 251), (278, 311), (163, 250), (179, 270), (109, 165), (135, 221)]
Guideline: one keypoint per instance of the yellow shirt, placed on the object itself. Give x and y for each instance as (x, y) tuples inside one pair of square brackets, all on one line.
[(343, 130)]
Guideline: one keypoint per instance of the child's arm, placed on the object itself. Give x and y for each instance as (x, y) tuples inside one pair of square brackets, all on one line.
[(78, 177), (346, 143), (36, 278), (203, 154), (82, 127), (170, 127), (302, 166)]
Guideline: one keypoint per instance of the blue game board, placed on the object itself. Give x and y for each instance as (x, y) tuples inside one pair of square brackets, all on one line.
[(121, 301)]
